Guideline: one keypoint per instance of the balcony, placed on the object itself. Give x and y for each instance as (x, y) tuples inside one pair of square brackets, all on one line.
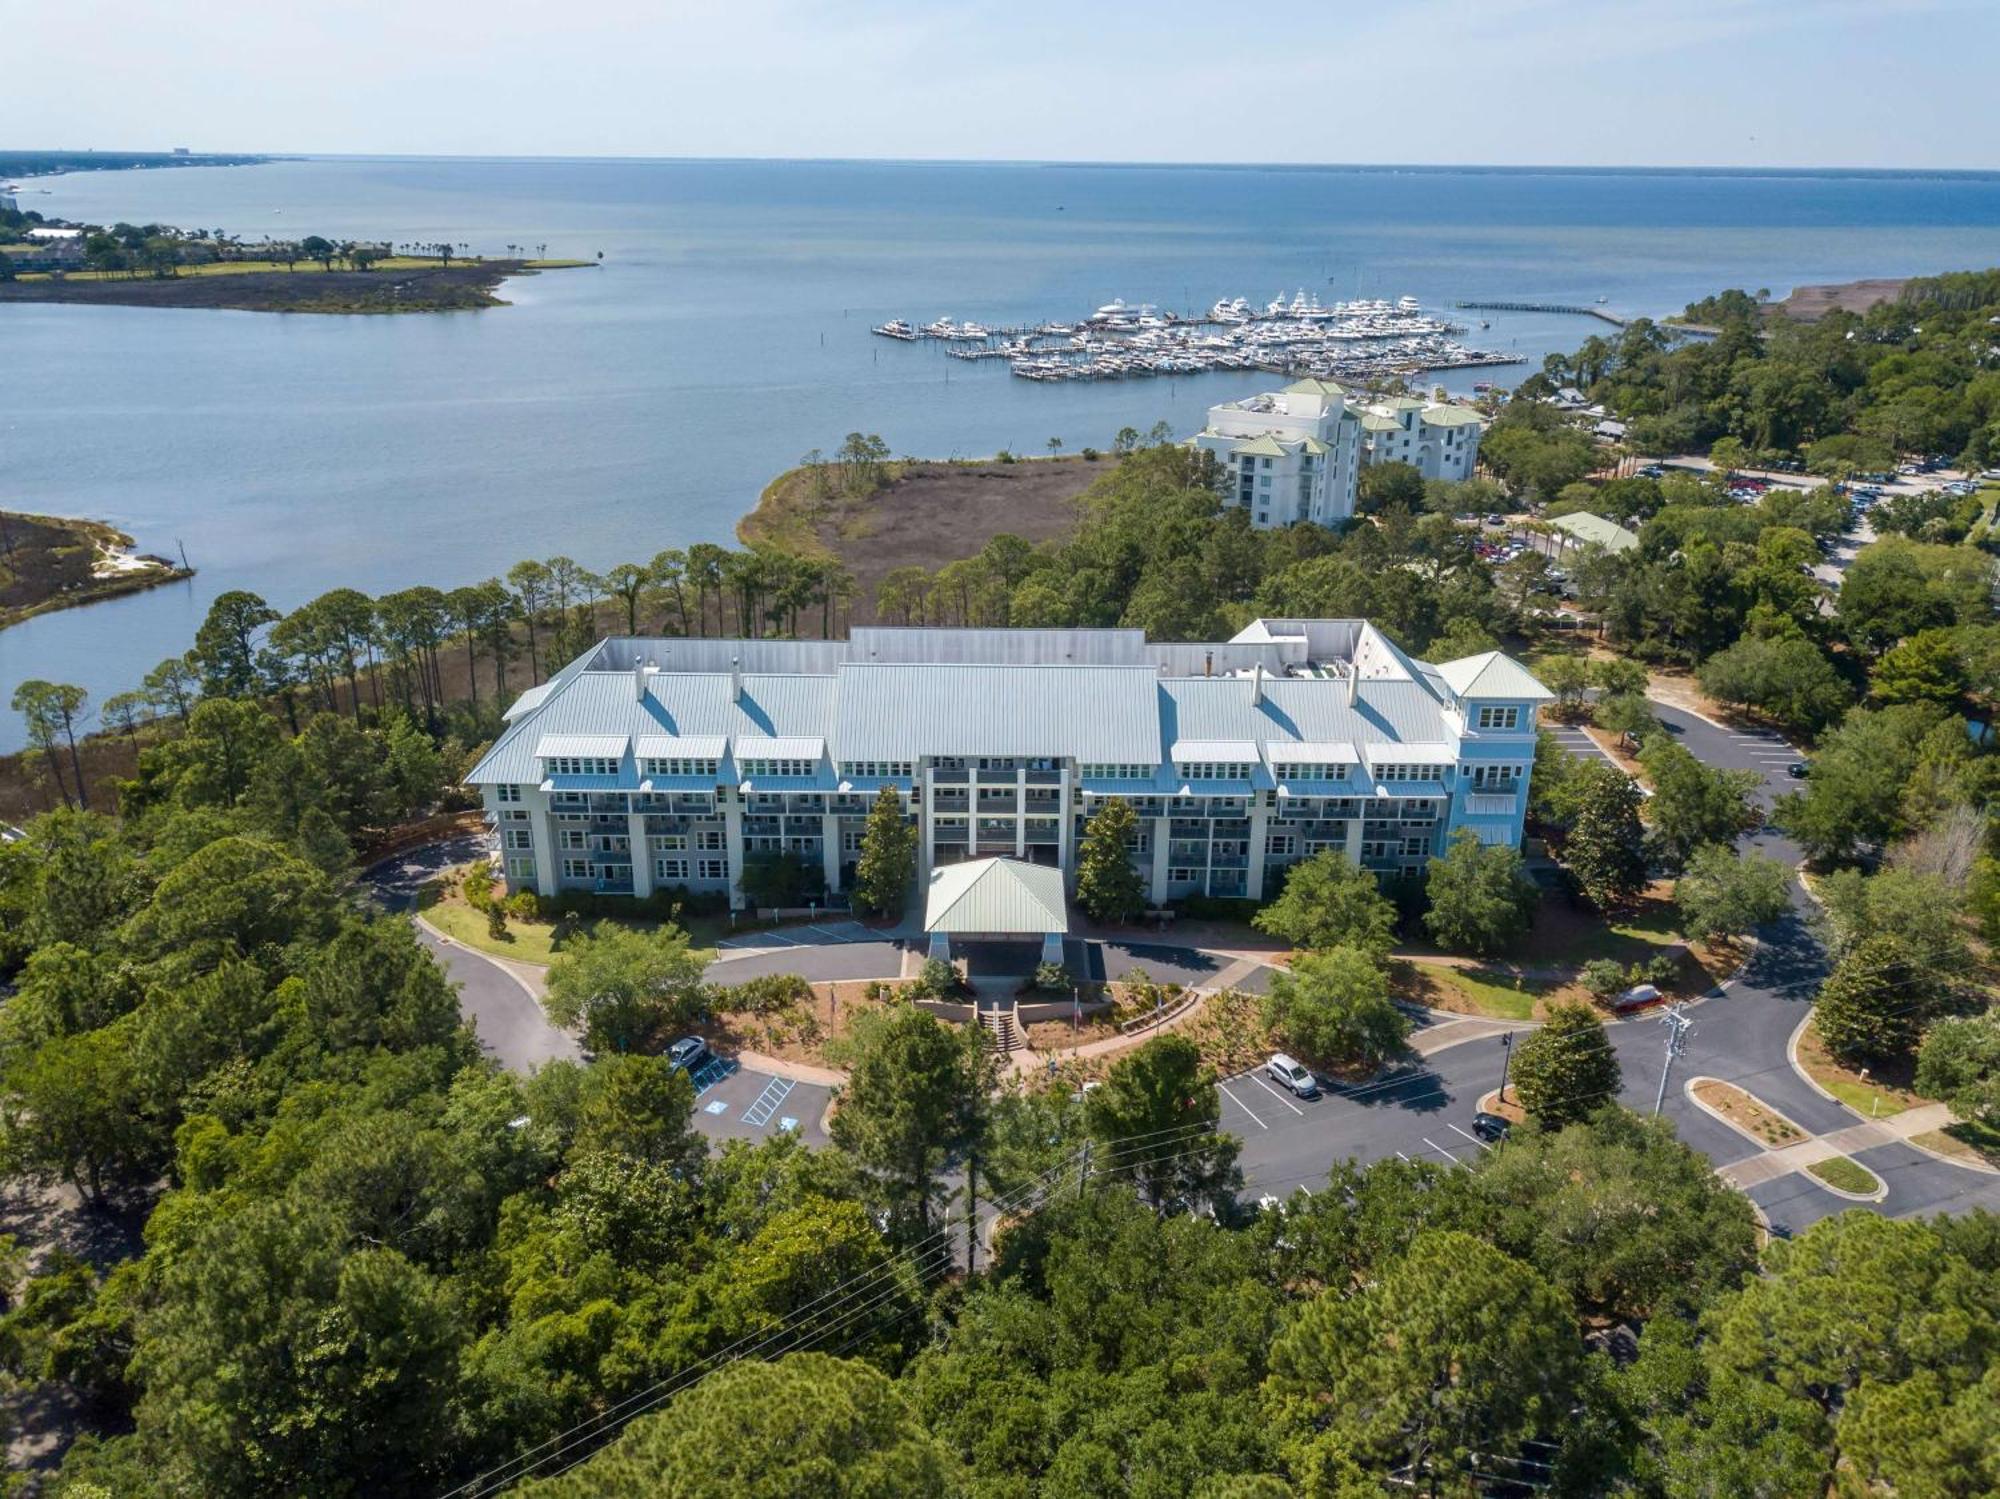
[(763, 827), (1045, 777), (997, 801), (950, 777), (1491, 804), (1043, 830), (1045, 802), (949, 801), (997, 830)]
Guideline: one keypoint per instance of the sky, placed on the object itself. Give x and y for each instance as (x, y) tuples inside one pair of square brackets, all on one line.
[(1740, 83)]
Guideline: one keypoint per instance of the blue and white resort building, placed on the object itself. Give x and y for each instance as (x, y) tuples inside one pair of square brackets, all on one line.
[(654, 763)]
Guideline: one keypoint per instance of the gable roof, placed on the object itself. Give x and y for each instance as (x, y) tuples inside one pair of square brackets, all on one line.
[(998, 896), (1596, 531), (1312, 386), (1265, 446), (1493, 675)]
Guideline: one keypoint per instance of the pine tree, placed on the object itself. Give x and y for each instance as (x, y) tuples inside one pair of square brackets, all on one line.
[(1874, 1003), (888, 857), (1566, 1070), (1605, 851), (1107, 886)]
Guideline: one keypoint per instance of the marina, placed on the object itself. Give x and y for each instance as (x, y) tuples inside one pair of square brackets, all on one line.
[(1368, 339)]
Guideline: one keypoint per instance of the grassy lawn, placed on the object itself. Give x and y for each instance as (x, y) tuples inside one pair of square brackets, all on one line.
[(1467, 992), (1871, 1097), (1968, 1140), (1846, 1175), (525, 941)]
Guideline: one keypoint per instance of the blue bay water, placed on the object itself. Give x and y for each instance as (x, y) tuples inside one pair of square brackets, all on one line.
[(644, 403)]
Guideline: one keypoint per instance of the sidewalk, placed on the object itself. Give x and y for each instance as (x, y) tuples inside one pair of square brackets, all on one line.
[(1851, 1140)]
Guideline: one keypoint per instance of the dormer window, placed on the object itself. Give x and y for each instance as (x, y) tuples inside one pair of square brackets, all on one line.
[(1498, 718)]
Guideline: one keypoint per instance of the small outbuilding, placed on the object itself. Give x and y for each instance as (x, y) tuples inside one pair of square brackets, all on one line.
[(1584, 529), (996, 900)]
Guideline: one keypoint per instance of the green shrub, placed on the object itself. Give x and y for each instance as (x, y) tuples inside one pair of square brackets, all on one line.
[(1603, 977), (1051, 978), (767, 994), (1662, 969), (525, 905), (937, 980), (496, 918), (478, 886)]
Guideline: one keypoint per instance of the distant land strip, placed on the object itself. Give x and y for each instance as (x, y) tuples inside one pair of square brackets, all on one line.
[(400, 284)]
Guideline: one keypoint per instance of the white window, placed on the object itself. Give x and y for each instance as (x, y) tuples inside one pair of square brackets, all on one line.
[(1409, 772), (582, 765), (1183, 876), (779, 767), (1416, 848), (670, 869), (709, 839), (675, 766), (1106, 772), (712, 869), (1279, 843), (1305, 771), (1374, 850), (506, 793), (520, 840), (520, 869), (574, 838), (850, 842), (1495, 777), (1499, 718), (1210, 770), (672, 842), (876, 769), (576, 869)]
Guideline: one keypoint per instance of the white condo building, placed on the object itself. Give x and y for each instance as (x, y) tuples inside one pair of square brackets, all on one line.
[(1287, 455), (654, 763), (1438, 439), (1296, 454)]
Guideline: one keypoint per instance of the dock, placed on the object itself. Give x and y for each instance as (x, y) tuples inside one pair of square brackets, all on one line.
[(1571, 308)]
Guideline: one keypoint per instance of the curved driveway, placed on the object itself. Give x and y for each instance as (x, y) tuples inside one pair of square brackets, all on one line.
[(1742, 1035)]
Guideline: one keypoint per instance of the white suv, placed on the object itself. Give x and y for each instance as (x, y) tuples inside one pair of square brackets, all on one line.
[(1292, 1075)]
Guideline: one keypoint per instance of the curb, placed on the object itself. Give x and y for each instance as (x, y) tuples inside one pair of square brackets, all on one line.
[(450, 941), (1792, 1056), (1764, 1147), (1880, 1194)]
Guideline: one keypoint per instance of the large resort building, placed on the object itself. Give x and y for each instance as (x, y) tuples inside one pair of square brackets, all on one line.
[(1296, 454), (649, 764)]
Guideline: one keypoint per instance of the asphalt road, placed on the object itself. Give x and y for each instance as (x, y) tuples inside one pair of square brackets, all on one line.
[(1742, 1036)]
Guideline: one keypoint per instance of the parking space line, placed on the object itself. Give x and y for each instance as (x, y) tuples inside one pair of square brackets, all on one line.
[(1243, 1106), (1439, 1149), (775, 1092), (1276, 1094), (1469, 1135)]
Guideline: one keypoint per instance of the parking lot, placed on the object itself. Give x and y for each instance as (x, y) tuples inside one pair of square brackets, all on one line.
[(733, 1102)]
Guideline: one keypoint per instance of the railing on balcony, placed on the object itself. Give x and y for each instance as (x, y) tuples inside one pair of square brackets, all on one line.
[(1491, 803), (950, 777), (1045, 777), (1043, 830)]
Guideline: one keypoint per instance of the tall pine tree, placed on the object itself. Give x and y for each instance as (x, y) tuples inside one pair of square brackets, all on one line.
[(888, 857), (1107, 884), (1605, 851)]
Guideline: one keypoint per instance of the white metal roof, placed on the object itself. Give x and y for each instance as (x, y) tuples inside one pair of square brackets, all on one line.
[(795, 748), (682, 747), (1492, 675), (1337, 752), (1002, 897), (1215, 752), (599, 746), (1411, 754)]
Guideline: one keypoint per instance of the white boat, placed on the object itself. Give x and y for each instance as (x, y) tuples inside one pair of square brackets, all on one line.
[(1408, 304)]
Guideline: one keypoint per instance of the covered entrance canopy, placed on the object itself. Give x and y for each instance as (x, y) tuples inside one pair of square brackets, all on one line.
[(996, 900)]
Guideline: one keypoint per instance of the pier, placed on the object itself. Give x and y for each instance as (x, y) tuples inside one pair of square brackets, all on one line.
[(1571, 308)]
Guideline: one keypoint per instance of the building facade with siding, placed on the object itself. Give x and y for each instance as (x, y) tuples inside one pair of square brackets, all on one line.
[(650, 764)]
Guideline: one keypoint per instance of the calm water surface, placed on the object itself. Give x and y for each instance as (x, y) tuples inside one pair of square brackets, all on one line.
[(642, 404)]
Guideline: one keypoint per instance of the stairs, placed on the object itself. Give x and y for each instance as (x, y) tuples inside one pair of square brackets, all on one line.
[(999, 1027)]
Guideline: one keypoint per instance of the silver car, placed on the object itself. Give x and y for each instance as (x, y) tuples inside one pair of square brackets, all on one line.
[(1293, 1075)]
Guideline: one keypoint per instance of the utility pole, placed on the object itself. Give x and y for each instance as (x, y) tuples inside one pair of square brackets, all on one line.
[(971, 1211), (1506, 1057), (1083, 1174), (1678, 1026)]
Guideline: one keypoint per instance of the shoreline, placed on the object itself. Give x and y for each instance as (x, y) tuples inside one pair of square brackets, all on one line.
[(395, 287), (117, 567)]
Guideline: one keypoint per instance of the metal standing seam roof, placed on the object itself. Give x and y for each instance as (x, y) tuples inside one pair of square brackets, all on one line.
[(685, 747), (1411, 754), (1264, 445), (1106, 715), (1305, 753), (1451, 416), (1596, 530), (798, 747), (1004, 897), (1215, 752), (1492, 675), (593, 746)]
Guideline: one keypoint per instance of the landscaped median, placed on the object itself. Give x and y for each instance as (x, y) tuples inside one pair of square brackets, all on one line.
[(1848, 1177), (1884, 1094), (1745, 1113)]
